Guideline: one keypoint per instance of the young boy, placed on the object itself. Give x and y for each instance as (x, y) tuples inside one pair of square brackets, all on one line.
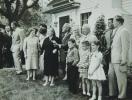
[(72, 60)]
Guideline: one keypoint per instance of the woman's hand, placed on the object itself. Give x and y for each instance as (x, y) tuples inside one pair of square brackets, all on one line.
[(54, 51)]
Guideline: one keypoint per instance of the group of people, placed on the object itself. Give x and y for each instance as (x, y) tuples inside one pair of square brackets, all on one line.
[(78, 55)]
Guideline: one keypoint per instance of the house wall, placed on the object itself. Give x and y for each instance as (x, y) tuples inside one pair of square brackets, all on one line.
[(55, 18), (94, 6), (85, 6), (127, 6)]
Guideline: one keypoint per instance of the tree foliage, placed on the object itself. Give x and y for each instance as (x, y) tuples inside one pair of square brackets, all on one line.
[(13, 10), (100, 27)]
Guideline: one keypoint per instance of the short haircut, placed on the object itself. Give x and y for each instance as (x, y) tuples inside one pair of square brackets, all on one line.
[(43, 25), (111, 19), (53, 30), (120, 19), (86, 43), (72, 40), (33, 28), (68, 26)]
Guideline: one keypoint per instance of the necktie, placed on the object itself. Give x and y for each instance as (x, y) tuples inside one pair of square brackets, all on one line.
[(113, 35)]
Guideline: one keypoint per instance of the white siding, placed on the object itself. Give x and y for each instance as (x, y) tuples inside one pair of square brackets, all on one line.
[(127, 6), (85, 6)]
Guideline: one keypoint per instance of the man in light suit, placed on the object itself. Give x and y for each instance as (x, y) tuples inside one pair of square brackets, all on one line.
[(119, 55), (17, 45)]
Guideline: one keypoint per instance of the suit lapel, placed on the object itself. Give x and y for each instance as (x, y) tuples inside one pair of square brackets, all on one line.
[(116, 33)]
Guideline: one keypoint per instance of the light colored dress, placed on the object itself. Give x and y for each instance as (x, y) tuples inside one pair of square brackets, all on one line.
[(95, 63), (31, 51), (84, 63)]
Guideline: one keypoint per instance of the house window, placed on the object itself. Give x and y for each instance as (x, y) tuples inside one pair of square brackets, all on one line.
[(84, 18)]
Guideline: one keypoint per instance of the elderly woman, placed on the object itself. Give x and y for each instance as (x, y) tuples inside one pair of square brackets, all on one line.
[(51, 62), (31, 51), (66, 30), (86, 35), (76, 34)]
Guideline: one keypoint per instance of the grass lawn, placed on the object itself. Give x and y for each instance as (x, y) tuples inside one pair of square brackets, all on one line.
[(15, 87)]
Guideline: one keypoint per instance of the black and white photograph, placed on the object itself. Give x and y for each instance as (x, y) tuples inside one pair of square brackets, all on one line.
[(65, 50)]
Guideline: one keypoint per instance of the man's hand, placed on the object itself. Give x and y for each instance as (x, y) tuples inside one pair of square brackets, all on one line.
[(123, 63)]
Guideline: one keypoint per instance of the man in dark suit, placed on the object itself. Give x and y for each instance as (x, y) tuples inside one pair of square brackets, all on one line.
[(17, 45), (108, 33)]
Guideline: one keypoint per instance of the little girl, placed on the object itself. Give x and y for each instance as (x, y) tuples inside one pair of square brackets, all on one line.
[(83, 66), (95, 71), (72, 69)]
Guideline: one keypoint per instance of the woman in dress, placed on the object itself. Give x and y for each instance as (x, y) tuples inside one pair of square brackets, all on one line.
[(31, 50), (51, 62)]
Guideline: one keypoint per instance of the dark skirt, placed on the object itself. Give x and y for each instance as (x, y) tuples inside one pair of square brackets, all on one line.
[(51, 65), (73, 78)]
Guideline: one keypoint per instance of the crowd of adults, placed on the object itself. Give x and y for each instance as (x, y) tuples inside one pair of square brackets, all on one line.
[(42, 49)]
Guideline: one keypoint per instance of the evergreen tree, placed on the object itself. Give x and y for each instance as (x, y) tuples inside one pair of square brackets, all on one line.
[(100, 27)]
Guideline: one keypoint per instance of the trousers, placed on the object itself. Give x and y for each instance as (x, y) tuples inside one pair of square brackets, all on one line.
[(117, 80)]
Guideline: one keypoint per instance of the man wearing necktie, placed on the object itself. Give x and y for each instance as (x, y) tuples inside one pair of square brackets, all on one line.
[(117, 74), (17, 45), (108, 36)]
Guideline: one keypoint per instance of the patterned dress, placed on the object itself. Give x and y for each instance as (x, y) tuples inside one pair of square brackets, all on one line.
[(96, 67), (84, 63)]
